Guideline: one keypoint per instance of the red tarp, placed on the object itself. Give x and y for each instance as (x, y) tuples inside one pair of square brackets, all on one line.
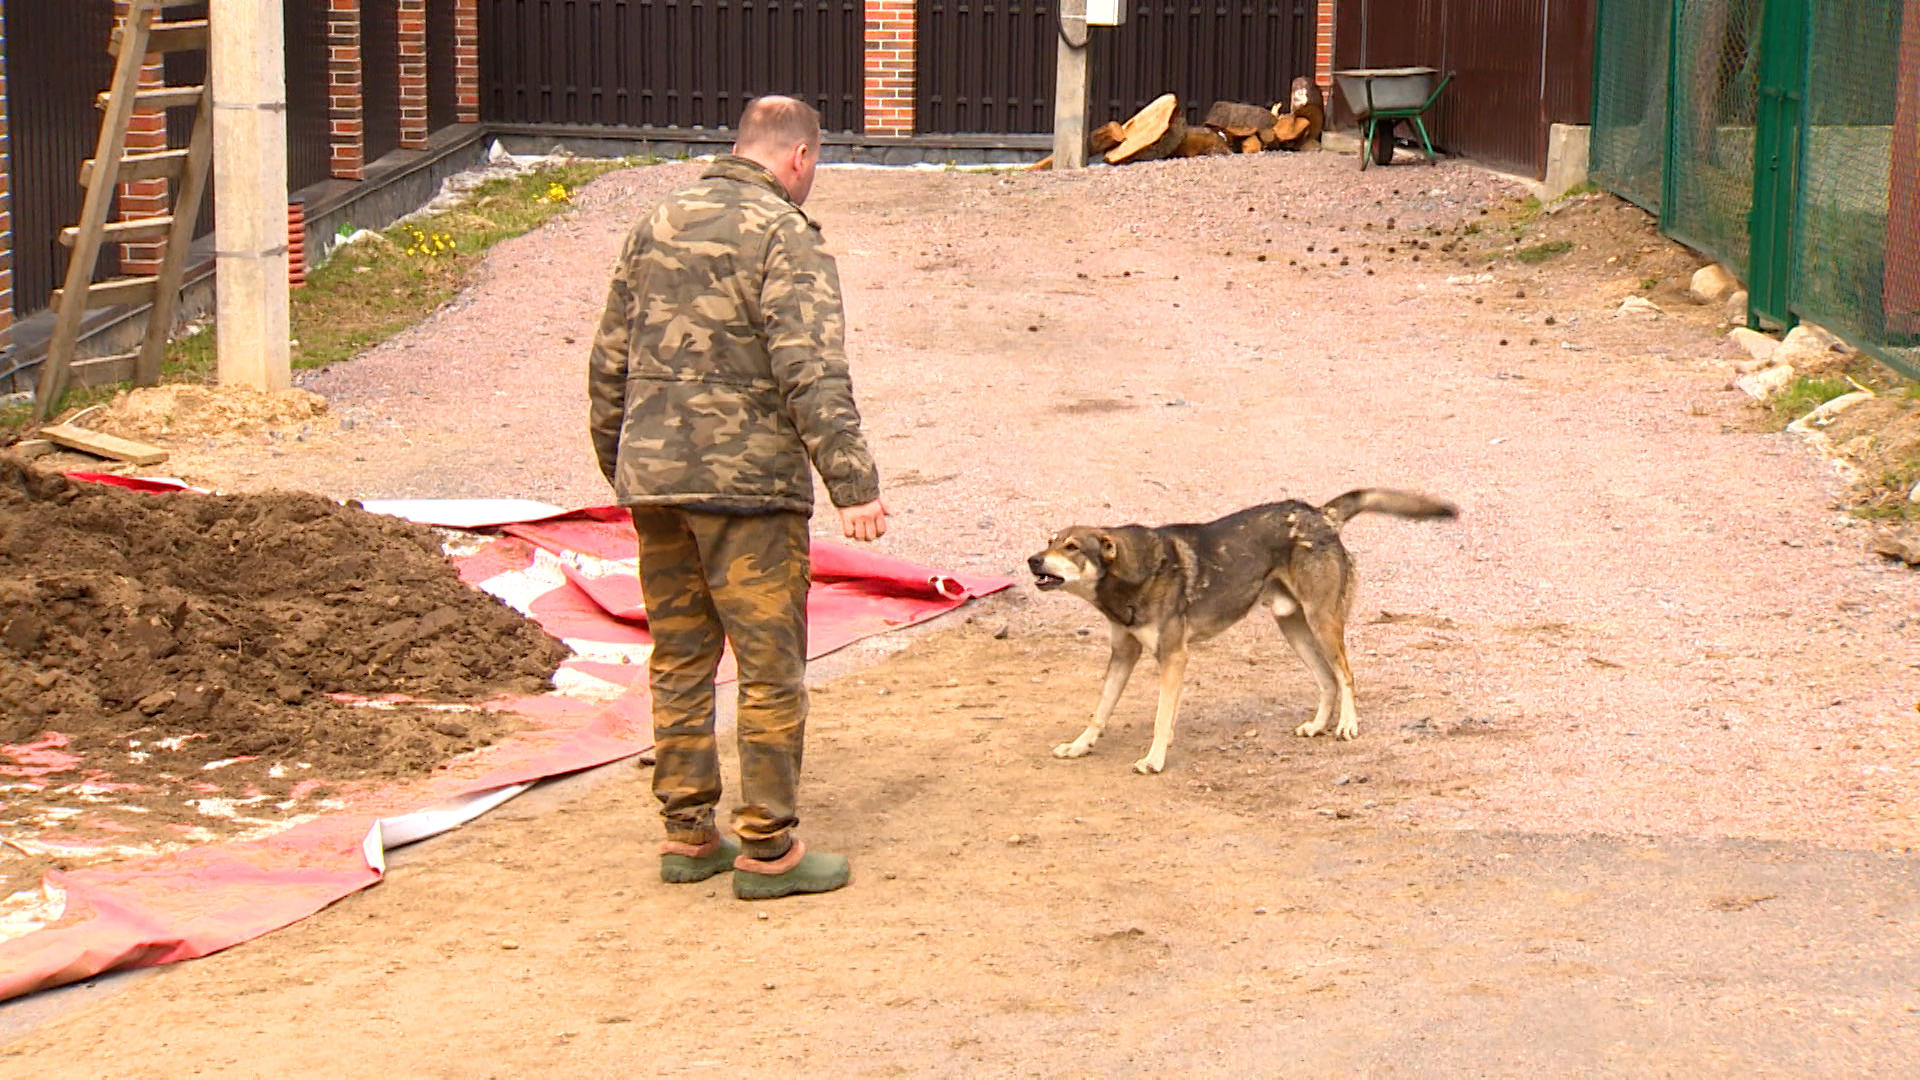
[(574, 574)]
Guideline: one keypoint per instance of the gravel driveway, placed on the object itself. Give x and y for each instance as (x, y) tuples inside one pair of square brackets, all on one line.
[(1651, 662)]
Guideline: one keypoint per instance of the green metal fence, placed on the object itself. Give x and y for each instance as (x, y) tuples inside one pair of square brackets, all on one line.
[(1783, 139), (1629, 138), (1714, 83)]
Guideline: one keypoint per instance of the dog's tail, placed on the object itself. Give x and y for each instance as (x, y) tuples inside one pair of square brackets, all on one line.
[(1404, 504)]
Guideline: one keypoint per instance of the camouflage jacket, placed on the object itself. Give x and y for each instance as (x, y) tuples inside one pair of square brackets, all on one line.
[(719, 368)]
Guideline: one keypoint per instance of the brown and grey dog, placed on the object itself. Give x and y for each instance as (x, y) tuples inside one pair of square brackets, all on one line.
[(1168, 587)]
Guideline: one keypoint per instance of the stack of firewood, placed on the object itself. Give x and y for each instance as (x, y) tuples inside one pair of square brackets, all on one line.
[(1159, 131)]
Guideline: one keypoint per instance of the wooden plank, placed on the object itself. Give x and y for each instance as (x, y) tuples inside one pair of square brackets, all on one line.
[(100, 444), (126, 290), (167, 97), (167, 165), (104, 370), (124, 232), (184, 35)]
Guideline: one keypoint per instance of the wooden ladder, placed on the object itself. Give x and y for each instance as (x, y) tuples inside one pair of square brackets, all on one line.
[(145, 31)]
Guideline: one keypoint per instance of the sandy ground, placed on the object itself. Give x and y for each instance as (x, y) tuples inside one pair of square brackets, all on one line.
[(1634, 793)]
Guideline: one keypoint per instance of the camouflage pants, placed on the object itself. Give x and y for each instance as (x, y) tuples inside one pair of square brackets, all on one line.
[(709, 579)]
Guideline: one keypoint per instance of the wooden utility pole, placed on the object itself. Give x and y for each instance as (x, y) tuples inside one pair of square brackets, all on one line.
[(1070, 88), (250, 176)]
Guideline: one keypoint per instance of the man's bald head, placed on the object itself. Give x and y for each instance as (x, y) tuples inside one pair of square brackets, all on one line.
[(776, 124), (784, 136)]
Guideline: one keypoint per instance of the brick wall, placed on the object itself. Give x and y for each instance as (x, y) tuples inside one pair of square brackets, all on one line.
[(346, 110), (466, 61), (1323, 47), (6, 198), (889, 67), (413, 74)]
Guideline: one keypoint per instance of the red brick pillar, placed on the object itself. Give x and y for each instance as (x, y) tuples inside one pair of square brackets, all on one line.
[(890, 67), (146, 133), (346, 108), (466, 61), (1323, 48), (6, 198), (413, 74)]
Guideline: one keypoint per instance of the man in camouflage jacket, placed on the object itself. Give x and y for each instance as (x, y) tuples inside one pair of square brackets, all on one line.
[(717, 375)]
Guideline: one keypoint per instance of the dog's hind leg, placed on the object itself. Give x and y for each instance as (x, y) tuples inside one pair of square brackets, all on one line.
[(1172, 656), (1293, 626), (1329, 626), (1126, 653)]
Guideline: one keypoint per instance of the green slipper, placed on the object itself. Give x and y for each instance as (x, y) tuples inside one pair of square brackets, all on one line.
[(684, 864), (798, 871)]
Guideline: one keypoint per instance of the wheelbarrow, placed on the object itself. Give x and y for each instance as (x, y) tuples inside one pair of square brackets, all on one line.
[(1382, 97)]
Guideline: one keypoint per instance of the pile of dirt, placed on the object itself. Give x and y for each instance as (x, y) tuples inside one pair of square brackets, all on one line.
[(183, 411), (230, 620)]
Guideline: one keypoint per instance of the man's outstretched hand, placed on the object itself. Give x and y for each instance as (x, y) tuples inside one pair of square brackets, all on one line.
[(865, 522)]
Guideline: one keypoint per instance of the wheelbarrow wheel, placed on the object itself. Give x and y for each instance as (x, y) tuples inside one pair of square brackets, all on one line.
[(1383, 142)]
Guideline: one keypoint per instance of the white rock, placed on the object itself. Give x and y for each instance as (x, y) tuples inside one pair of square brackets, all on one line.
[(497, 152), (1712, 284), (1762, 385), (1914, 495), (1639, 305), (1827, 410), (1737, 308), (1757, 345), (1808, 346)]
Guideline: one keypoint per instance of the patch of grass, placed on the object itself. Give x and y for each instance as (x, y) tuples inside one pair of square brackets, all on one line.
[(1648, 284), (370, 291), (1540, 253), (1805, 394)]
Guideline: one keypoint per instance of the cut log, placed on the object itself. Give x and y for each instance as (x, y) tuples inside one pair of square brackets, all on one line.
[(1226, 115), (1289, 128), (1042, 165), (1106, 137), (1198, 142), (1146, 130), (1237, 132), (1168, 142), (100, 444), (1309, 120), (1250, 144)]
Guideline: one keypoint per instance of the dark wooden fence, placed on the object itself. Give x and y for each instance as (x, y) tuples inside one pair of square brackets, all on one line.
[(441, 104), (667, 63), (380, 75), (987, 65)]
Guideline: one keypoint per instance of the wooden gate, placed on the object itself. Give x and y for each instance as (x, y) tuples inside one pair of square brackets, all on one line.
[(668, 63), (986, 66)]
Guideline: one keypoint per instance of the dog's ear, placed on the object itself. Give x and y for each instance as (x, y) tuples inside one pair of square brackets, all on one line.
[(1130, 553)]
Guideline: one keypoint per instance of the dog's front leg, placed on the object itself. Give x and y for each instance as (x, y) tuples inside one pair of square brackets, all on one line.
[(1173, 671), (1126, 653)]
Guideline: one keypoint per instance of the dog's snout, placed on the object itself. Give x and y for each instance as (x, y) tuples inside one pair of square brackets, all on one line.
[(1034, 562)]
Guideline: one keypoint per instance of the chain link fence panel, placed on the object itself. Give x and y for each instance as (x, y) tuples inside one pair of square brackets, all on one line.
[(1857, 252), (1716, 96), (1628, 147)]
